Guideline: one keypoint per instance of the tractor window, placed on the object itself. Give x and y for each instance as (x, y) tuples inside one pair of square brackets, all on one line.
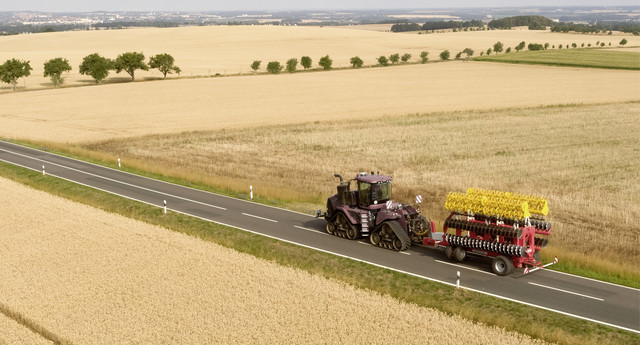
[(365, 193), (369, 193), (381, 191)]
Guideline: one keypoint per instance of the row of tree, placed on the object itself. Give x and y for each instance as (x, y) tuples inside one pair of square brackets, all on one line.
[(94, 65), (326, 62)]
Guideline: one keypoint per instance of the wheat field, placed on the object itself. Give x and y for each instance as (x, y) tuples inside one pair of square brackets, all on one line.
[(100, 278), (172, 106), (227, 50), (13, 333)]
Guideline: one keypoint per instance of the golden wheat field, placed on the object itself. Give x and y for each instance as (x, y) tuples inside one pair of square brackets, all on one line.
[(205, 51), (131, 109), (100, 278)]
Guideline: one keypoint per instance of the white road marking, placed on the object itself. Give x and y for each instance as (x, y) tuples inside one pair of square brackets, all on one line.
[(594, 280), (254, 216), (355, 259), (465, 267), (565, 291), (120, 182), (148, 178), (311, 230)]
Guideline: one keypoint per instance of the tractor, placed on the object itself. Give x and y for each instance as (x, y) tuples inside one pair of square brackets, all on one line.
[(368, 211)]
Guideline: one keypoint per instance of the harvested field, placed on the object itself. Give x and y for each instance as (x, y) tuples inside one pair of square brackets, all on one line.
[(172, 106), (583, 158), (205, 51), (100, 278)]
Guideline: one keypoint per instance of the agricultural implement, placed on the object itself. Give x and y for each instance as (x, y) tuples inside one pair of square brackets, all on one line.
[(510, 229)]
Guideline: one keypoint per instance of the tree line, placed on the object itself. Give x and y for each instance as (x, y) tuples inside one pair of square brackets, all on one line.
[(94, 65), (326, 62), (403, 27)]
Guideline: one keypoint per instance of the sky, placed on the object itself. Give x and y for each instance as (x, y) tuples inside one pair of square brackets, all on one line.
[(246, 5)]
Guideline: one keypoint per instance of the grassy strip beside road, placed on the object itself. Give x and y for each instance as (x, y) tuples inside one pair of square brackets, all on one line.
[(535, 322), (593, 58)]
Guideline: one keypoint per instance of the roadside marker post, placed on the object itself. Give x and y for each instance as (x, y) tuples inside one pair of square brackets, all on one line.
[(165, 206), (458, 280), (119, 166), (251, 192), (43, 173)]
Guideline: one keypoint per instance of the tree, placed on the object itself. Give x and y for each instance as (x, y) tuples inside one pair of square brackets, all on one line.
[(489, 51), (96, 66), (405, 57), (535, 46), (559, 46), (274, 67), (508, 50), (164, 64), (394, 58), (424, 56), (520, 46), (623, 42), (305, 61), (582, 45), (444, 56), (458, 55), (573, 45), (356, 62), (130, 62), (292, 64), (14, 69), (255, 66), (383, 61), (325, 62), (54, 68), (498, 47), (468, 52), (546, 45)]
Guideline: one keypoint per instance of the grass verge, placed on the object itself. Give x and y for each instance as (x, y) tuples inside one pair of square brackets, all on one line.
[(511, 316), (592, 58)]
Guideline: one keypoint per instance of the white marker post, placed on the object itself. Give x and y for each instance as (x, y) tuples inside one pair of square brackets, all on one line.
[(119, 166), (165, 206), (43, 173), (251, 192), (458, 280)]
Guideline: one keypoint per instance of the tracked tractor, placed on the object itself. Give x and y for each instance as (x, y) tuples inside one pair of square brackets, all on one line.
[(368, 211)]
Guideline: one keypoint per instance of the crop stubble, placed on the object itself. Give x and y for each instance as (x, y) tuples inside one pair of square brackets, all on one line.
[(95, 277)]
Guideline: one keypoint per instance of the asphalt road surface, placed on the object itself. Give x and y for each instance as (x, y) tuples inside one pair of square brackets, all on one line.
[(576, 296)]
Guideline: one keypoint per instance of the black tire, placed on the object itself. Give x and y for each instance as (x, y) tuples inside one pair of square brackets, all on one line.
[(502, 265), (448, 252), (351, 231), (459, 254), (398, 231), (374, 238)]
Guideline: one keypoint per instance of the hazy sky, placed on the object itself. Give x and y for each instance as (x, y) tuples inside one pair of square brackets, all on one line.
[(203, 5)]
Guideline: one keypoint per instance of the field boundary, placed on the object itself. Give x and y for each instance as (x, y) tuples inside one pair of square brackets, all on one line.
[(529, 59)]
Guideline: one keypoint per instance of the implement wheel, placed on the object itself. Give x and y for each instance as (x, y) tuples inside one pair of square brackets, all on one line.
[(459, 254), (448, 252), (502, 265)]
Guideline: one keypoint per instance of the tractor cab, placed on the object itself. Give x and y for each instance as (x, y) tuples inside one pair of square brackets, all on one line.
[(373, 189)]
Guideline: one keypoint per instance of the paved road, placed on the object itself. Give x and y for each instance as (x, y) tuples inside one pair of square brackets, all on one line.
[(584, 298)]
